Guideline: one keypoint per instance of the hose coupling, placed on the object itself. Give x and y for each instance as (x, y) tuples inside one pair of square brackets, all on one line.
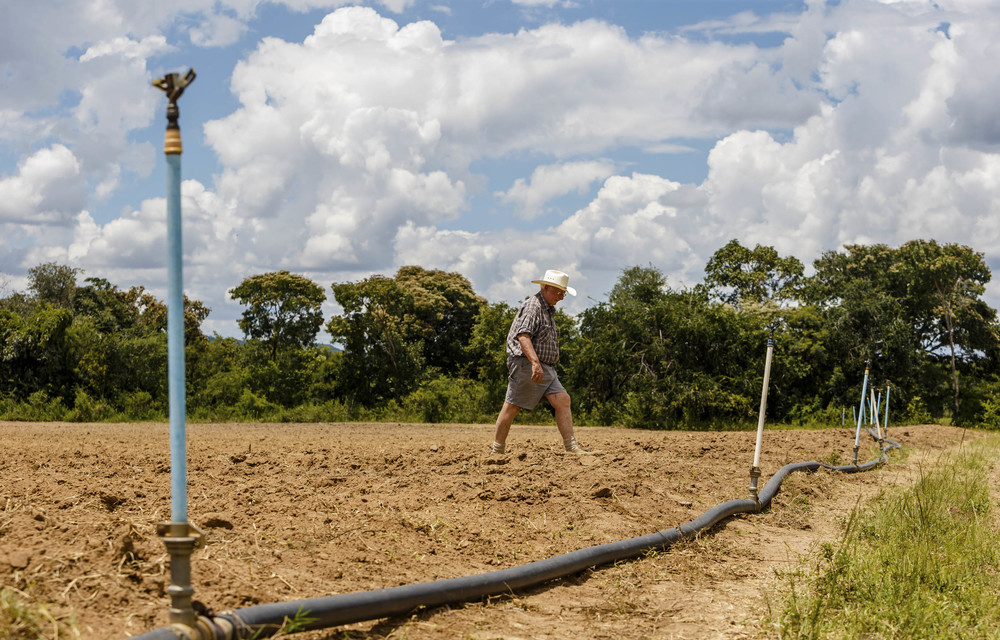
[(181, 539), (754, 476), (204, 629)]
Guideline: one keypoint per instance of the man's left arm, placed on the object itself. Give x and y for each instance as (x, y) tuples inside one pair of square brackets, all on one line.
[(537, 375)]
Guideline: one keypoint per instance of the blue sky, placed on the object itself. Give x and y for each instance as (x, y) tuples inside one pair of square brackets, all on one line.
[(495, 138)]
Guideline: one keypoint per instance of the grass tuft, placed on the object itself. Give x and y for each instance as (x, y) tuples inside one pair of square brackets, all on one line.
[(23, 619), (920, 562)]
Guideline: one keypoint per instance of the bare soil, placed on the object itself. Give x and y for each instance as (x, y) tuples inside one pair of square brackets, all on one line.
[(297, 511)]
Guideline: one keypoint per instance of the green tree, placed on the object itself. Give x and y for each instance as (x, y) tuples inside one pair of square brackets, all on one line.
[(32, 351), (288, 379), (382, 357), (105, 305), (445, 309), (93, 343), (283, 309), (736, 274), (944, 286), (652, 357), (114, 310), (645, 286), (53, 283), (486, 352), (219, 373), (616, 340), (152, 314), (114, 366), (915, 311)]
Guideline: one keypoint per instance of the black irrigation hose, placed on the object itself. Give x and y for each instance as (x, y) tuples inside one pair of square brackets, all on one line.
[(265, 620)]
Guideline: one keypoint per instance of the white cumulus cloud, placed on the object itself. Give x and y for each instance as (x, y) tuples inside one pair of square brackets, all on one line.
[(551, 181), (48, 188)]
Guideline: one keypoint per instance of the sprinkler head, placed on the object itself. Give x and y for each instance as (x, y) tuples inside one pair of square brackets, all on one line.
[(173, 85)]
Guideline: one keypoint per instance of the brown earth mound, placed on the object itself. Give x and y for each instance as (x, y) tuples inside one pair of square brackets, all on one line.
[(298, 511)]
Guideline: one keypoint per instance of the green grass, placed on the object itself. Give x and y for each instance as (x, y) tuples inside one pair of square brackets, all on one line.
[(921, 562), (22, 618)]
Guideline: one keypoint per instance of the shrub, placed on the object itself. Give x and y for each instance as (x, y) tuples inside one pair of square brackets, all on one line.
[(991, 413), (87, 409), (331, 411), (40, 408), (139, 405), (250, 406), (445, 399)]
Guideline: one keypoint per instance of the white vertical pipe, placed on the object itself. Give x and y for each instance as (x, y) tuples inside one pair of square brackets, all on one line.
[(763, 401), (875, 402), (861, 412)]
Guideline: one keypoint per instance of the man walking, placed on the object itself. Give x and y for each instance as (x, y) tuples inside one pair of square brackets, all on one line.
[(532, 352)]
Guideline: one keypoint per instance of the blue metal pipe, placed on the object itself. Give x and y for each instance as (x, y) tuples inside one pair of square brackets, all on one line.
[(175, 343)]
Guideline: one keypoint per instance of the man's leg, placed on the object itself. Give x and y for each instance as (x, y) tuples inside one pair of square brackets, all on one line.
[(564, 419), (504, 420)]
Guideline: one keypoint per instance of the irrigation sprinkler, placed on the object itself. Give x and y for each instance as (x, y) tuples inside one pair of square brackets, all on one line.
[(755, 469), (179, 535), (861, 413)]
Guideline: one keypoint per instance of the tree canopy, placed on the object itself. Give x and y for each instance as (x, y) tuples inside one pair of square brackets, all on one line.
[(736, 274), (283, 309), (378, 328), (444, 309), (423, 345), (54, 284)]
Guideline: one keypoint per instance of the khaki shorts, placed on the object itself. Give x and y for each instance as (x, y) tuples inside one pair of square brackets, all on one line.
[(524, 393)]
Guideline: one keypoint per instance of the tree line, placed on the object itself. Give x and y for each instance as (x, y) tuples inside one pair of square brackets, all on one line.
[(423, 346)]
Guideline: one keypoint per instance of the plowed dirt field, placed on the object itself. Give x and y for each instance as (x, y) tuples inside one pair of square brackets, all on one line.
[(296, 511)]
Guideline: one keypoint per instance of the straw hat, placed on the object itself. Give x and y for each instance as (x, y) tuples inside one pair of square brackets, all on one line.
[(557, 279)]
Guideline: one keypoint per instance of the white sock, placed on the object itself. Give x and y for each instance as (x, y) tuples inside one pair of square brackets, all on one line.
[(499, 448), (571, 444)]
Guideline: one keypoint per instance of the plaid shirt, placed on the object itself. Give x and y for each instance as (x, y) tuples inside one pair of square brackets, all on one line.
[(537, 319)]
